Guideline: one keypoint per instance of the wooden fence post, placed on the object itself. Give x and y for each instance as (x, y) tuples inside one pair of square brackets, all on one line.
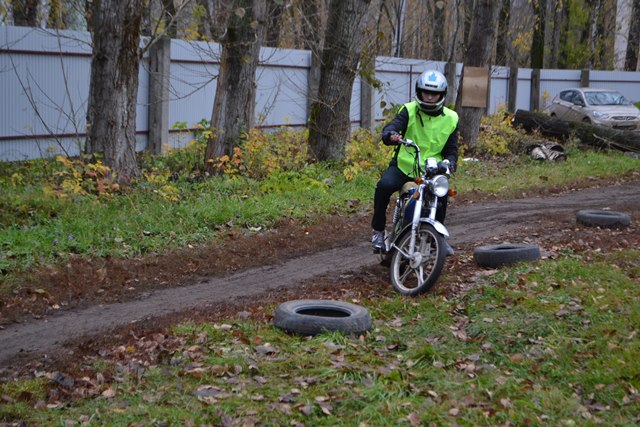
[(452, 83), (584, 77), (159, 71), (513, 89), (535, 89), (367, 119), (313, 81)]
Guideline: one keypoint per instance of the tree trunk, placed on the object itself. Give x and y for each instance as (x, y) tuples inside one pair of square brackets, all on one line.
[(537, 44), (593, 32), (634, 48), (502, 49), (482, 36), (234, 104), (329, 118), (113, 89), (275, 13), (623, 22), (559, 11), (25, 13), (455, 30), (396, 46), (312, 37), (587, 134)]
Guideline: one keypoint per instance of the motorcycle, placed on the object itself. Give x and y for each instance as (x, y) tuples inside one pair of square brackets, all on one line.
[(414, 245)]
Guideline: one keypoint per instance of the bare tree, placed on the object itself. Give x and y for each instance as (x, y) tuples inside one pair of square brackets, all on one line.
[(439, 46), (400, 13), (329, 119), (455, 29), (482, 36), (313, 24), (234, 104), (113, 89), (312, 37)]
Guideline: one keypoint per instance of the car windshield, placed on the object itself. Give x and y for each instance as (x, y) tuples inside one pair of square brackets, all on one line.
[(605, 98)]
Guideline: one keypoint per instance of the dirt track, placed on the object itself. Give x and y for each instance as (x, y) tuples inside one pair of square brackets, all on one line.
[(474, 223)]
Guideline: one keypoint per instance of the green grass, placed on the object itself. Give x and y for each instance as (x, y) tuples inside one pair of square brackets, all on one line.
[(516, 175), (548, 343), (37, 227)]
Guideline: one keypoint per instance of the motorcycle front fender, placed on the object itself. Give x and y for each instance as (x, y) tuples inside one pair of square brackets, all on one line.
[(440, 228)]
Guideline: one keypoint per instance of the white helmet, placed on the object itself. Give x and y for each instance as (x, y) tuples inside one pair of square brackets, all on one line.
[(431, 81)]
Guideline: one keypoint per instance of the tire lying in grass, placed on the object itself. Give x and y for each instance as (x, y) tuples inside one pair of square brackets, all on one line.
[(494, 256), (605, 219), (311, 317)]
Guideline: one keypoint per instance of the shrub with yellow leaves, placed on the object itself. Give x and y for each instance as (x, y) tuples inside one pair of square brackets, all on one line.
[(365, 153), (79, 177)]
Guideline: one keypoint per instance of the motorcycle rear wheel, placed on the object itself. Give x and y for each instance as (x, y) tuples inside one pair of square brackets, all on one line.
[(414, 276)]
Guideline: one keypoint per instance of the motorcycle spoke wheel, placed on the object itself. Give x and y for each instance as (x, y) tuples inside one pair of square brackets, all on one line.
[(416, 275)]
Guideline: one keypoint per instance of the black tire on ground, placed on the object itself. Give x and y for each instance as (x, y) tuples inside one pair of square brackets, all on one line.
[(312, 317), (606, 219), (494, 256)]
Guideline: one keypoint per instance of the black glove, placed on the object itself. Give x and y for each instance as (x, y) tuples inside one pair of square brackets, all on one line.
[(397, 142)]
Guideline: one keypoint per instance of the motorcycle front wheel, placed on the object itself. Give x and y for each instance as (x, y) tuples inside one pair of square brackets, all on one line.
[(415, 274)]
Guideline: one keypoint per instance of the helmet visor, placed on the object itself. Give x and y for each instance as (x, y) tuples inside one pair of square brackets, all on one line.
[(430, 97)]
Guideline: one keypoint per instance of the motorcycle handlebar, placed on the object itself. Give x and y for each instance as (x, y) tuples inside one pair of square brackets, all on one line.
[(443, 166), (409, 143)]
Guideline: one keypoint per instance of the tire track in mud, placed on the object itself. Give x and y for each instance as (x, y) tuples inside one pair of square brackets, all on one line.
[(470, 223)]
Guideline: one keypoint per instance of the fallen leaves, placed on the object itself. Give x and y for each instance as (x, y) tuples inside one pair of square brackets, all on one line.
[(210, 394)]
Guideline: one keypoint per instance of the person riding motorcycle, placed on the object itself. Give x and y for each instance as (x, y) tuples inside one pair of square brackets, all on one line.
[(434, 128)]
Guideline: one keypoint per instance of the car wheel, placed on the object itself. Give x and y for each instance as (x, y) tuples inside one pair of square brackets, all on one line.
[(494, 256), (605, 219), (586, 120), (312, 317)]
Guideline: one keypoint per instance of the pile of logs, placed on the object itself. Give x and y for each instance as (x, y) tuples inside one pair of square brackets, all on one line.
[(595, 136)]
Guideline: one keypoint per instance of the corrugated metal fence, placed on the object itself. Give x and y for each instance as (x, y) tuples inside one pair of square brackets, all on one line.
[(44, 83)]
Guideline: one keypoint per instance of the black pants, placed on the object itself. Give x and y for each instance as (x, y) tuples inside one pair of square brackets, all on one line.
[(392, 180)]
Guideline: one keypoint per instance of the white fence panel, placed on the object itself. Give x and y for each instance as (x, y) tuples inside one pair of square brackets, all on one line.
[(626, 83), (553, 81), (44, 82), (282, 86), (398, 78), (499, 88)]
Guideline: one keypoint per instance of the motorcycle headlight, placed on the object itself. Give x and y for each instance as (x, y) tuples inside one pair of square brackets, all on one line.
[(440, 185)]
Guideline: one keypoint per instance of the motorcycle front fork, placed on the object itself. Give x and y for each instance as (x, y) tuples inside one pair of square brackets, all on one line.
[(417, 215)]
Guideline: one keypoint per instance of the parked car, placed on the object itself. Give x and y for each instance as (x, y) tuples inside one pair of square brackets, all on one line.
[(602, 107)]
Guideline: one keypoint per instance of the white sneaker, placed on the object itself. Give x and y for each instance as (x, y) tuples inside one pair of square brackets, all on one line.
[(377, 240)]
